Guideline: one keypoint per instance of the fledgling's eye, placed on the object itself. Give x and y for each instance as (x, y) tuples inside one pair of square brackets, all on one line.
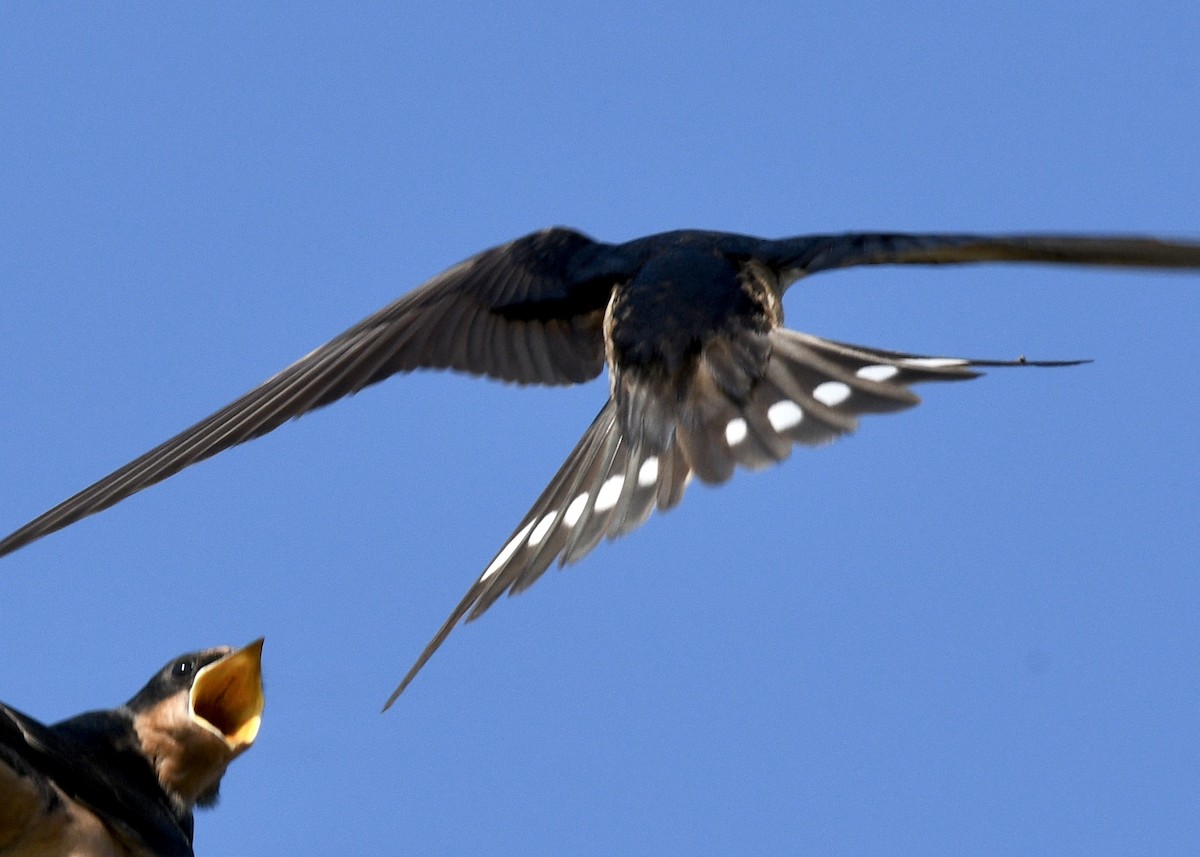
[(183, 668)]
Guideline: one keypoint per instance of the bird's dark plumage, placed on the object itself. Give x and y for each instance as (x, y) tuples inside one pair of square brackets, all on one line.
[(703, 376), (124, 781)]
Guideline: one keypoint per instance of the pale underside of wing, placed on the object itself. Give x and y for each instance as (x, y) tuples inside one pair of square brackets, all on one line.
[(811, 393)]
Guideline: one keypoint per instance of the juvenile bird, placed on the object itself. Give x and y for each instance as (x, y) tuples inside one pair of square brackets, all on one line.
[(124, 781)]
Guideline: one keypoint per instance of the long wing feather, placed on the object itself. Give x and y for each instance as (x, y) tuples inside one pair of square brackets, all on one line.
[(800, 256), (529, 312)]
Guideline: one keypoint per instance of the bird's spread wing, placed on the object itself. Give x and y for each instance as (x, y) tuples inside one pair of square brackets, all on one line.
[(798, 257), (811, 393), (529, 311)]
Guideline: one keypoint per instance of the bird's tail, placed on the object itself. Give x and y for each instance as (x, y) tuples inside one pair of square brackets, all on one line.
[(607, 486), (812, 392)]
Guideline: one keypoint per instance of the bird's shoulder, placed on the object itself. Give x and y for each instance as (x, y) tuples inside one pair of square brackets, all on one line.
[(87, 773)]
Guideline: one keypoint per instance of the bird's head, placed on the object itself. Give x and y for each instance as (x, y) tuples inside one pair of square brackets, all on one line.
[(197, 715)]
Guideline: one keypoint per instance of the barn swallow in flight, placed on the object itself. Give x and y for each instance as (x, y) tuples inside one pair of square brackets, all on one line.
[(124, 781), (702, 374)]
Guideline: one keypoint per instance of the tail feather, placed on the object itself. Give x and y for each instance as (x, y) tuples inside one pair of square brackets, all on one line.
[(820, 372), (762, 445), (705, 448), (798, 415), (547, 529), (638, 495), (674, 476), (604, 483), (811, 392)]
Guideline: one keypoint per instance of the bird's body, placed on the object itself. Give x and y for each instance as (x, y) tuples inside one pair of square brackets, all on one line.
[(703, 375), (123, 782)]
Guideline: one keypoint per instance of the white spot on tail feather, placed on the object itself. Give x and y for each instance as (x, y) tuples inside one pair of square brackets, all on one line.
[(543, 527), (575, 510), (735, 431), (609, 492), (648, 472), (784, 414), (506, 552), (831, 393), (878, 372)]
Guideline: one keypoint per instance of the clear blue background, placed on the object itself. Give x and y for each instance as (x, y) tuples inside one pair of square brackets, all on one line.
[(969, 629)]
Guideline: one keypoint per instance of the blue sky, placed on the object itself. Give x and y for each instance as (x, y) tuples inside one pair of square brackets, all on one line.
[(970, 628)]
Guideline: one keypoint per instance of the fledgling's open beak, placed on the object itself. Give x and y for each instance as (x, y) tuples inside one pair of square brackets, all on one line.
[(227, 697)]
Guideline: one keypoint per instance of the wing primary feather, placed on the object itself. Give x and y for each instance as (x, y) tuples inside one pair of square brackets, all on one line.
[(808, 254)]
